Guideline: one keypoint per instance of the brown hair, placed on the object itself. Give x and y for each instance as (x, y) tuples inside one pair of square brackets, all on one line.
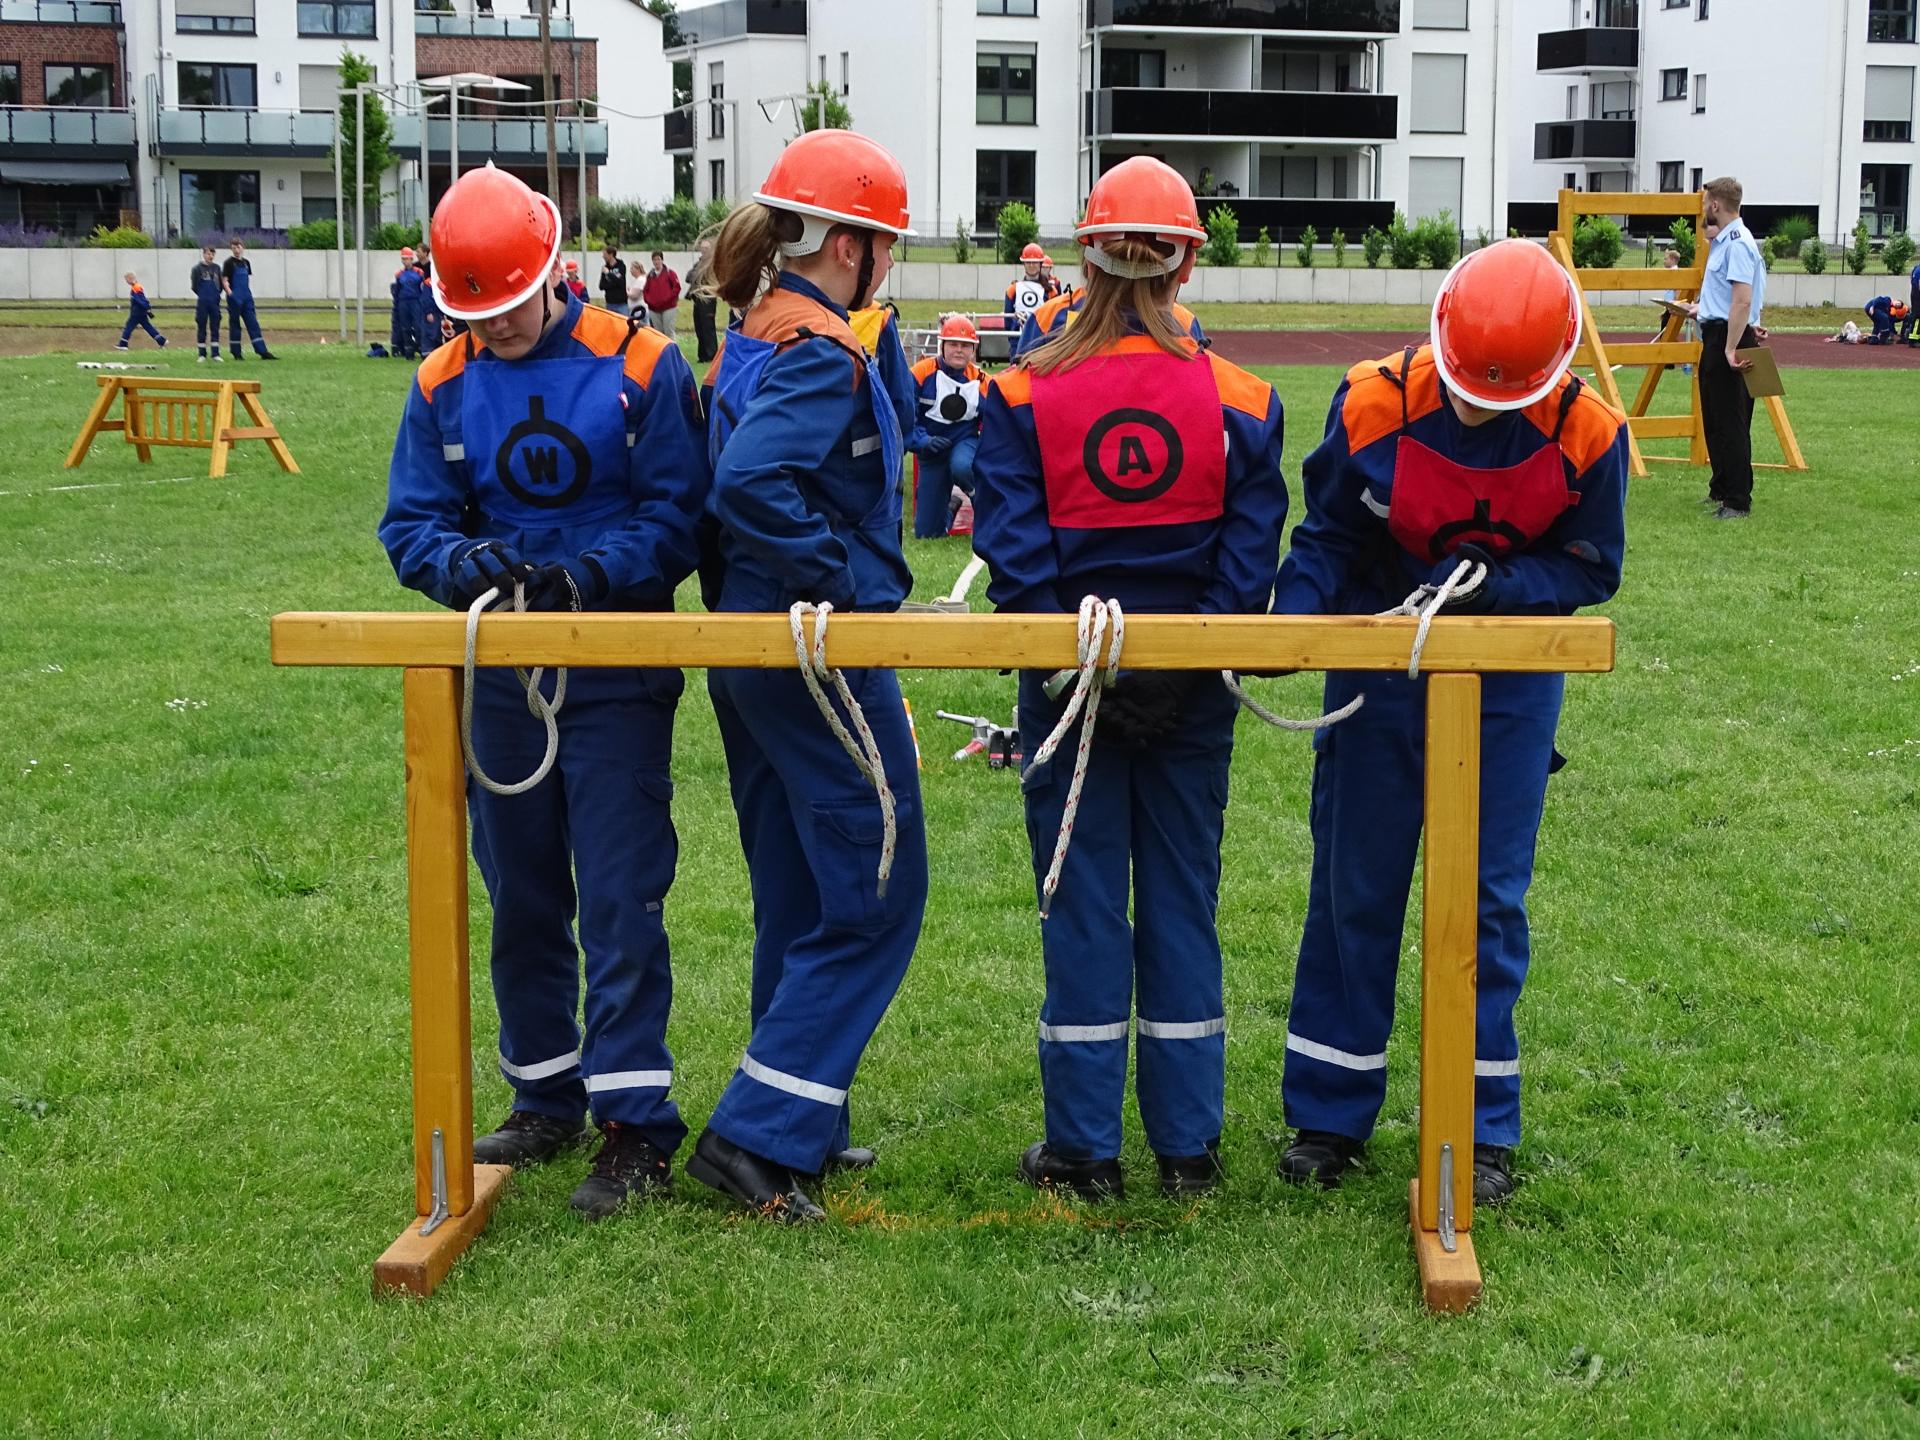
[(1103, 319), (746, 251), (1727, 191)]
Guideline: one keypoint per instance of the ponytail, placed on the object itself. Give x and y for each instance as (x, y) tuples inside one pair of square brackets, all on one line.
[(1111, 301), (746, 253)]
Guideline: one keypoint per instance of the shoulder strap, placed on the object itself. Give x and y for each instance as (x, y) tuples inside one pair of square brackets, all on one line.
[(1399, 379), (633, 328), (1567, 397)]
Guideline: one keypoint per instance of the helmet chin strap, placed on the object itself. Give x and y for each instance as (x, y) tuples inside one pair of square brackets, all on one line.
[(1123, 269), (865, 282)]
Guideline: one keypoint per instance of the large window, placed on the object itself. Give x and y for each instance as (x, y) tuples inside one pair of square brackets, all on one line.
[(1889, 102), (1004, 86), (1439, 104), (1002, 176), (219, 200), (226, 86), (90, 86), (1883, 198), (336, 17), (226, 17), (1008, 7), (1133, 67), (1673, 84), (1433, 185), (1699, 94), (1439, 14), (716, 92), (10, 83), (1670, 171), (316, 195), (1891, 20)]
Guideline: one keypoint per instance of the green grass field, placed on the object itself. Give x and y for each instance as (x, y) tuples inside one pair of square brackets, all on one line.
[(204, 1132)]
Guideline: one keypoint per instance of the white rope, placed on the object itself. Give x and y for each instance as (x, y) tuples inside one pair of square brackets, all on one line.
[(1429, 600), (866, 753), (1319, 722), (1097, 616), (548, 714)]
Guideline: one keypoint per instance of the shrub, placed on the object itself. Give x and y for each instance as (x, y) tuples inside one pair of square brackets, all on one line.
[(1482, 238), (677, 225), (1263, 248), (1861, 248), (717, 210), (29, 237), (1596, 243), (1898, 255), (962, 241), (1684, 241), (121, 237), (1223, 237), (1438, 239), (315, 235), (1017, 229), (1403, 244), (1373, 245), (1790, 234), (1813, 256), (1337, 242), (1303, 252)]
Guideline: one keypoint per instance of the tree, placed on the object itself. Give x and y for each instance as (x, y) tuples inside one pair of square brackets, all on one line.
[(669, 23), (376, 146), (819, 95)]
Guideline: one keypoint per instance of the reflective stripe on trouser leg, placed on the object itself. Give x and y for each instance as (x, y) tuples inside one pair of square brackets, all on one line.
[(1087, 941), (836, 978), (1179, 801)]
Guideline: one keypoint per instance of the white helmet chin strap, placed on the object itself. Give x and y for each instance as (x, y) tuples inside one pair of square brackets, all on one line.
[(1135, 269)]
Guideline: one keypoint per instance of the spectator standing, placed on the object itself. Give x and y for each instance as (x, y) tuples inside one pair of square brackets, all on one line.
[(237, 276), (1732, 296), (613, 280), (661, 293), (208, 286), (704, 304)]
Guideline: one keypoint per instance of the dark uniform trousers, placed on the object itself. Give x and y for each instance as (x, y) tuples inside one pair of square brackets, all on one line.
[(1726, 413)]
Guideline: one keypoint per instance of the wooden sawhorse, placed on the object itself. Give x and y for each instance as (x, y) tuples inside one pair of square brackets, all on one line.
[(452, 1195), (186, 414)]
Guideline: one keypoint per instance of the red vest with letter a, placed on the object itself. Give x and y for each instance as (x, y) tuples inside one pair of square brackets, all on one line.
[(1130, 438)]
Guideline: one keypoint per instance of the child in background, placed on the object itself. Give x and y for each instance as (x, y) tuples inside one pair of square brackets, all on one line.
[(576, 287), (139, 312), (1882, 312), (208, 286)]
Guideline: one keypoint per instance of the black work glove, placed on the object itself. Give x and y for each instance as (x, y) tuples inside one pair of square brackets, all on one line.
[(488, 565), (567, 585), (1469, 598), (1145, 705)]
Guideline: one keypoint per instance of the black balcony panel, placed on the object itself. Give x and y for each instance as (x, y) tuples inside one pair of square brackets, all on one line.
[(1281, 114), (1589, 49), (705, 24), (679, 130), (1584, 140), (1284, 218), (1341, 17)]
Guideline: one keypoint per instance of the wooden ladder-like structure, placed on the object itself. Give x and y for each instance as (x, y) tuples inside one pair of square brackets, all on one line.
[(181, 414), (1667, 349)]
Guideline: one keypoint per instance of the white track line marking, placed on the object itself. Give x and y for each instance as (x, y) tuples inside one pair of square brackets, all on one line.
[(103, 485)]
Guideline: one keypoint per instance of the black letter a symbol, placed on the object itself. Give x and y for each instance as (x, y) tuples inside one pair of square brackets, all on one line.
[(1133, 456)]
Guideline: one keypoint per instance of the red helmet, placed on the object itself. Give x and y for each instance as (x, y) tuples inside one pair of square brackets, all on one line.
[(835, 177), (495, 241), (1505, 325), (1141, 196), (958, 328), (1032, 253), (406, 252), (573, 265)]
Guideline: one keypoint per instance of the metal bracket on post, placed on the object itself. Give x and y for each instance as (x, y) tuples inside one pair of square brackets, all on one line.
[(437, 1215), (1448, 1241)]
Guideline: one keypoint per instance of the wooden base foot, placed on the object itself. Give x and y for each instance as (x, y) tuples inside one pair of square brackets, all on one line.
[(415, 1264), (1450, 1283)]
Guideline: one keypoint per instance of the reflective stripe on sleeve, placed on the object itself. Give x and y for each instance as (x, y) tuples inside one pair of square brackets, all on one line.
[(792, 1084), (866, 447), (1346, 1060), (630, 1080), (559, 1065), (453, 452), (1182, 1029), (1073, 1034)]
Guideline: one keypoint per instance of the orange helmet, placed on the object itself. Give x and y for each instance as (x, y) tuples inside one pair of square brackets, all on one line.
[(495, 240), (1505, 325), (406, 252), (1141, 196), (835, 177), (573, 266), (1033, 252), (958, 328)]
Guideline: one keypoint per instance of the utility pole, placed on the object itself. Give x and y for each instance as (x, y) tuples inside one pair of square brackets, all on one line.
[(546, 93)]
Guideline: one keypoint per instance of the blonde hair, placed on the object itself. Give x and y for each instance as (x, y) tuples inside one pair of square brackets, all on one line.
[(746, 251), (1104, 316)]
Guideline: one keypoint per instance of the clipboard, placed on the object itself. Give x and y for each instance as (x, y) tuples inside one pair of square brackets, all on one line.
[(1764, 378), (1674, 307)]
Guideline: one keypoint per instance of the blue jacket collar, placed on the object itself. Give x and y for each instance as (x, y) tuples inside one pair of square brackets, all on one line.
[(802, 286)]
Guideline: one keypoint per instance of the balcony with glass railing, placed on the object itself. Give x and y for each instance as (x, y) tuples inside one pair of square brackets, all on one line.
[(60, 132), (60, 12), (1321, 17), (1242, 114), (286, 134), (511, 142), (506, 20)]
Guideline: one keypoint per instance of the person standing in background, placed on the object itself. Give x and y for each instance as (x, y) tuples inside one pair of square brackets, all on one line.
[(704, 304), (237, 275), (1732, 295), (207, 286), (661, 292), (613, 280)]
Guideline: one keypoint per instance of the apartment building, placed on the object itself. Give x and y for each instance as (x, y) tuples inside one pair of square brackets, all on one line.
[(208, 116)]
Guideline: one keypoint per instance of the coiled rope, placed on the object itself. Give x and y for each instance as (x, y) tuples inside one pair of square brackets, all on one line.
[(866, 753), (1098, 618)]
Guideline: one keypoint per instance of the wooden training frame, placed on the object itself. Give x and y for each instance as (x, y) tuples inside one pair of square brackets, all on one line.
[(453, 1195), (185, 414), (1665, 350)]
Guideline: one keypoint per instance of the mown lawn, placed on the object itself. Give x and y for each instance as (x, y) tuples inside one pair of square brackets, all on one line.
[(204, 1133)]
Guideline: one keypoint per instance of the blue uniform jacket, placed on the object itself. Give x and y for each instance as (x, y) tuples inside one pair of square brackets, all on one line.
[(206, 283), (1222, 566), (800, 474), (139, 305), (408, 285), (645, 553), (1344, 561), (237, 271), (927, 433)]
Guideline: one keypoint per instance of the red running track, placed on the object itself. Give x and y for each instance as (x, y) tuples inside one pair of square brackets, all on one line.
[(1350, 347)]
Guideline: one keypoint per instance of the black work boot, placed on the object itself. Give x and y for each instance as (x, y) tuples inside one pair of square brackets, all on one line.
[(1493, 1180), (1190, 1174), (627, 1163), (527, 1137), (854, 1157), (1089, 1179), (762, 1185), (1320, 1156)]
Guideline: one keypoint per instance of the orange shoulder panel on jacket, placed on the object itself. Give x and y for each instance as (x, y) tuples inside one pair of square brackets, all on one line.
[(1240, 389), (444, 364), (605, 331), (1182, 314), (1015, 385), (1372, 410), (781, 316), (1591, 428), (923, 368), (1044, 317)]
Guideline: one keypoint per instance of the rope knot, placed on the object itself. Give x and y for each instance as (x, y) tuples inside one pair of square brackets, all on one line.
[(866, 752)]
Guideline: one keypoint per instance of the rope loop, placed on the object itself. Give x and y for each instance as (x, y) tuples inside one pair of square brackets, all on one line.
[(537, 704), (1099, 619), (1427, 601), (865, 753), (1259, 711)]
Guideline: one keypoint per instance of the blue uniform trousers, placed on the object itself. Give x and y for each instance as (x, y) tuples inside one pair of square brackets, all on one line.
[(597, 830), (142, 322), (933, 499), (406, 331), (206, 323), (828, 952), (1154, 816), (1366, 818), (241, 308)]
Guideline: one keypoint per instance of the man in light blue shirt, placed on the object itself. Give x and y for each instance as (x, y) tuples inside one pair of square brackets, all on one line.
[(1732, 293)]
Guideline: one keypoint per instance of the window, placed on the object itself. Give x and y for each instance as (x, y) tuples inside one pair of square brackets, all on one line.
[(10, 83), (1699, 94), (1433, 185), (846, 81), (1573, 102), (1701, 12), (1676, 4), (1611, 100), (1003, 86), (716, 92), (316, 195), (1007, 7), (226, 17), (319, 87), (1439, 103), (823, 71), (1439, 14), (1890, 21), (1133, 67), (1001, 176), (1670, 176), (1883, 198), (85, 85), (1889, 102), (336, 17), (717, 179), (1699, 178), (1673, 84), (219, 200), (226, 86)]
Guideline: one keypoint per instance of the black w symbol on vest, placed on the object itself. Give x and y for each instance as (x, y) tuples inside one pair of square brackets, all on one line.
[(543, 465)]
